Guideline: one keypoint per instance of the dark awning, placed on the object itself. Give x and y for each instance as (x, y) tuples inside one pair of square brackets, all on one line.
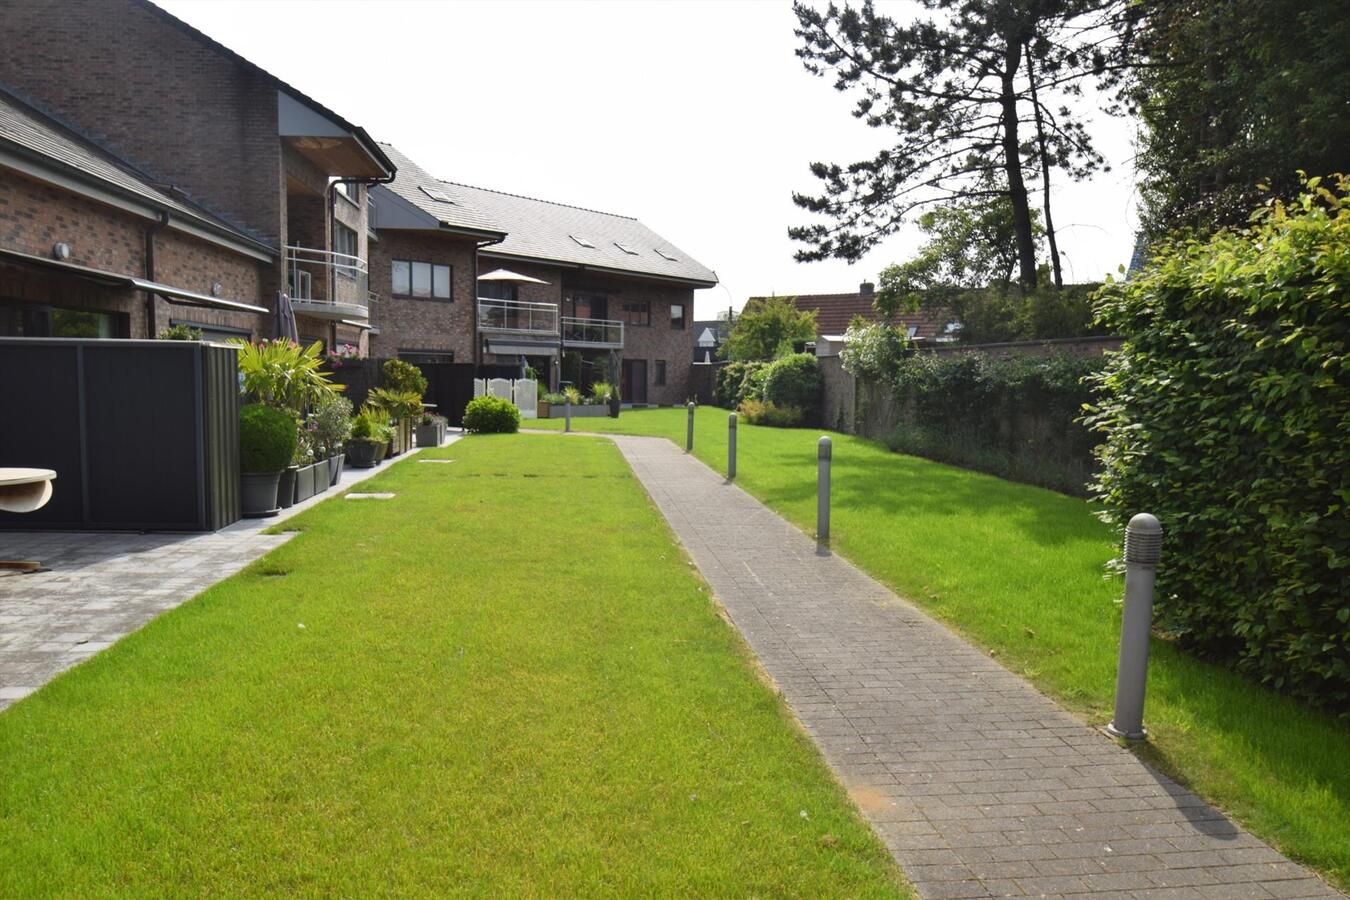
[(180, 295)]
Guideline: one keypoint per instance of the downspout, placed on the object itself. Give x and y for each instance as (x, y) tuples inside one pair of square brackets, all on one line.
[(477, 336), (330, 202), (151, 315)]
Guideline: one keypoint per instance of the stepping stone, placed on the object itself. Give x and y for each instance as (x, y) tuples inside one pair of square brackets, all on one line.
[(376, 496)]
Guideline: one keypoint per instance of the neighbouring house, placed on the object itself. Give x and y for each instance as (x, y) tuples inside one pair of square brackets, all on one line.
[(834, 312), (494, 278), (152, 177), (709, 335)]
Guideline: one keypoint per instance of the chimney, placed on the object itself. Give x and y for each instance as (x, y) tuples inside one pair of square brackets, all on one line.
[(866, 288)]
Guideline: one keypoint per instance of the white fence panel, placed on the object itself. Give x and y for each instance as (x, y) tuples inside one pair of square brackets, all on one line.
[(499, 387), (527, 398), (479, 387)]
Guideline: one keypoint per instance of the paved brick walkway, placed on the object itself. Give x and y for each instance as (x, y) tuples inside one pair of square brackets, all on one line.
[(106, 585), (978, 784)]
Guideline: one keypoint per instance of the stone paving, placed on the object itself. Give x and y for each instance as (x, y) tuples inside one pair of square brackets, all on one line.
[(103, 586), (979, 785)]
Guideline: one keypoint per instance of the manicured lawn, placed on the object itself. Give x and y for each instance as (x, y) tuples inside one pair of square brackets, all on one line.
[(1019, 570), (504, 681)]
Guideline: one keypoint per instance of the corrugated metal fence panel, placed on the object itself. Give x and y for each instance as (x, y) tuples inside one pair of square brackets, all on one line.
[(143, 435), (40, 426), (220, 404)]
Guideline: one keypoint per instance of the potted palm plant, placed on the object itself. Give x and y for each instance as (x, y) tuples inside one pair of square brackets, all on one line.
[(266, 443), (369, 435)]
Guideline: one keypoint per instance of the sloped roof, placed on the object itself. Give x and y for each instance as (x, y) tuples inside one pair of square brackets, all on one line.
[(834, 312), (36, 134), (544, 230), (415, 185)]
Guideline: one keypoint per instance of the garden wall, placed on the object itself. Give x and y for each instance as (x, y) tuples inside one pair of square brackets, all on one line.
[(1010, 410)]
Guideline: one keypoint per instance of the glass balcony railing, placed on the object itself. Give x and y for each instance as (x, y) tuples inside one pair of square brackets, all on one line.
[(518, 317), (579, 332)]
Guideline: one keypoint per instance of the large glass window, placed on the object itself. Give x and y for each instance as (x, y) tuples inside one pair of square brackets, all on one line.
[(677, 316), (659, 377), (422, 280), (24, 320), (637, 312), (497, 290), (345, 244)]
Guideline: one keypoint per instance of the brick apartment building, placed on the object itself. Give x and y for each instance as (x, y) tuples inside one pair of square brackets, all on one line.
[(595, 287), (150, 176)]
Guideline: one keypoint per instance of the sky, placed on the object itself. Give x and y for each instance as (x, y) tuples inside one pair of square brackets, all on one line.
[(695, 117)]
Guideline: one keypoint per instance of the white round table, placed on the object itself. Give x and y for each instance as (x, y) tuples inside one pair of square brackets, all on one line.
[(22, 491)]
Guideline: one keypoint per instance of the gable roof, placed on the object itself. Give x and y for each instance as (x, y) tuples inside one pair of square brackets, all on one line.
[(415, 186), (834, 312), (547, 231), (367, 143), (30, 136)]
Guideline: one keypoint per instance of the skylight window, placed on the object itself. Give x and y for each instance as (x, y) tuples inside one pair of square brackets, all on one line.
[(437, 194), (666, 256), (582, 241), (629, 250)]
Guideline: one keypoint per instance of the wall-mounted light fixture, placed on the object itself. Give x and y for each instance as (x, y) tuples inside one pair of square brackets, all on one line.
[(216, 289), (61, 251)]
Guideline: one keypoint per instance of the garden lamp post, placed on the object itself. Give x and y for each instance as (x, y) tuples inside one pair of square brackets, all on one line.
[(689, 434), (731, 447), (824, 452), (1143, 550)]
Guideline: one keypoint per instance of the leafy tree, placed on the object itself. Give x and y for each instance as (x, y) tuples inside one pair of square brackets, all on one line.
[(768, 327), (957, 90), (1233, 95), (970, 245)]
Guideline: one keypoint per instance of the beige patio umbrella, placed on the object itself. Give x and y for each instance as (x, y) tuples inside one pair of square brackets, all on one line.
[(510, 277)]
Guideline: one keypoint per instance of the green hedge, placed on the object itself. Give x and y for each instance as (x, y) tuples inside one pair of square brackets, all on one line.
[(740, 381), (794, 382), (1228, 417), (491, 415), (1013, 417)]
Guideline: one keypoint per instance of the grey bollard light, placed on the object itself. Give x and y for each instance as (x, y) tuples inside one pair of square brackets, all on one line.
[(824, 452), (1143, 549), (689, 435), (567, 422), (731, 447)]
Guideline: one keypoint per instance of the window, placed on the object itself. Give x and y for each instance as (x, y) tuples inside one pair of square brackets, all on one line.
[(660, 375), (426, 357), (677, 316), (23, 320), (590, 306), (666, 256), (626, 249), (911, 331), (422, 280), (582, 241), (437, 194), (349, 190), (498, 290), (344, 244), (637, 312)]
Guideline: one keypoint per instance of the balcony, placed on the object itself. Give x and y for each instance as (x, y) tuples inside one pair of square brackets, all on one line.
[(328, 285), (600, 334)]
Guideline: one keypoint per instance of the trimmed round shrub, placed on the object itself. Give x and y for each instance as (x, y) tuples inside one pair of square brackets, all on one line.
[(1226, 415), (491, 415), (267, 438), (794, 382)]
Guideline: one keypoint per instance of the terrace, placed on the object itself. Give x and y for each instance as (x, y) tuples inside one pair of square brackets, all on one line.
[(328, 285), (519, 323)]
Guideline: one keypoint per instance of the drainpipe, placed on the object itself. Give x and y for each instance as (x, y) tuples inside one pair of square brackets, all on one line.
[(151, 315)]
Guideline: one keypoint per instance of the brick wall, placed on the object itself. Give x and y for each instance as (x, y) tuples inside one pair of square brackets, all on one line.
[(131, 79), (35, 216), (659, 341), (408, 324)]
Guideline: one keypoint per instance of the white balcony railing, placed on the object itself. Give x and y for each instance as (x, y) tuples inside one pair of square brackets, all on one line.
[(328, 284), (518, 317), (579, 332)]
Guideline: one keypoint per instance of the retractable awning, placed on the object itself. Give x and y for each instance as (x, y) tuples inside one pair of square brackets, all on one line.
[(113, 279)]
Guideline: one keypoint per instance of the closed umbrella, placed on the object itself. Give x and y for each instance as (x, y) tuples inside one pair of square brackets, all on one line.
[(286, 327)]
